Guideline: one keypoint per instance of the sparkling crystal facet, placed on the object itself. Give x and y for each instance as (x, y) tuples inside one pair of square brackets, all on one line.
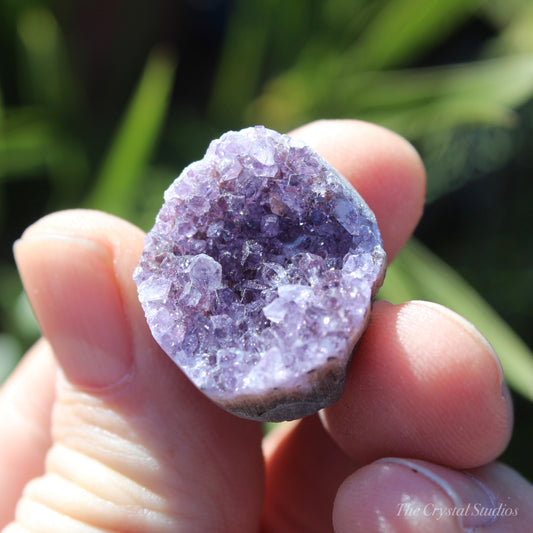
[(258, 275)]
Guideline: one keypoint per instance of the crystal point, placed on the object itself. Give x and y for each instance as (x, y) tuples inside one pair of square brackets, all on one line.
[(258, 276)]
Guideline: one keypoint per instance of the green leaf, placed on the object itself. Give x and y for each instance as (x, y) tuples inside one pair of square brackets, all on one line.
[(411, 102), (116, 186), (514, 19), (241, 59), (417, 102), (404, 29), (504, 82), (417, 274), (46, 74)]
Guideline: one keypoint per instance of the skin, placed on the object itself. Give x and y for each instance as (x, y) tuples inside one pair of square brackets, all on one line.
[(101, 431)]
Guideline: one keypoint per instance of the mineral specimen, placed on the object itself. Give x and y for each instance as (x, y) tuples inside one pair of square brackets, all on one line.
[(258, 275)]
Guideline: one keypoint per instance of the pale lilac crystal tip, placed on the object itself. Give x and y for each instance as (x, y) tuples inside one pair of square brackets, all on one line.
[(258, 275)]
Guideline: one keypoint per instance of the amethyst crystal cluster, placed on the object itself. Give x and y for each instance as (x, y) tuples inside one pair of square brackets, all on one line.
[(258, 275)]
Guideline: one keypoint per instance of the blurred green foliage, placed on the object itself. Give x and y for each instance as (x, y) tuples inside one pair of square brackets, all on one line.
[(121, 173), (96, 111)]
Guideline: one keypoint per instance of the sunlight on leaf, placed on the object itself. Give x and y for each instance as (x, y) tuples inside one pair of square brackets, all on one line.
[(413, 103), (483, 81), (515, 20)]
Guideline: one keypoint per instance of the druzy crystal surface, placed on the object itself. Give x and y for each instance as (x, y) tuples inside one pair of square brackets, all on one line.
[(258, 275)]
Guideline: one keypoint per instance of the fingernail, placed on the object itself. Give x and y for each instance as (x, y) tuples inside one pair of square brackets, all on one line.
[(472, 504), (71, 285)]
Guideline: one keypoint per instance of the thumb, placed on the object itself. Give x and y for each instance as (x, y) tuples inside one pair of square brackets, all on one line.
[(135, 446)]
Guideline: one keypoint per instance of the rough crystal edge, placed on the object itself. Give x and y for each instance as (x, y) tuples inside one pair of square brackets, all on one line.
[(324, 387), (290, 404), (328, 380)]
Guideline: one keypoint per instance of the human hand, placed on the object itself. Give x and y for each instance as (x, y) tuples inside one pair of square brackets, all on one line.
[(102, 432)]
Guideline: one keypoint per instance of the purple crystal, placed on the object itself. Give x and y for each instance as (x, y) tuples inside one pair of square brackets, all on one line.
[(258, 275)]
